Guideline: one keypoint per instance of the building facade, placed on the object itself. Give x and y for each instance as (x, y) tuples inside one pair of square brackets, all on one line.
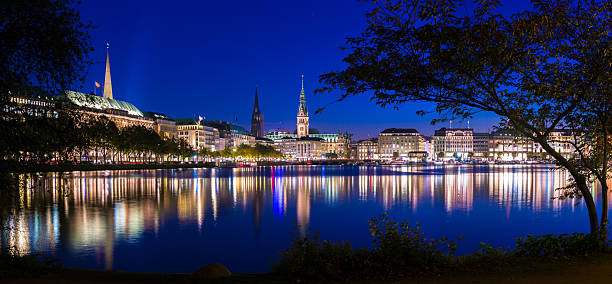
[(454, 143), (197, 135), (397, 143), (367, 149)]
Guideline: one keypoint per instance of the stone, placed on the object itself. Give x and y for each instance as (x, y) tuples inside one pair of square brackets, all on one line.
[(211, 271)]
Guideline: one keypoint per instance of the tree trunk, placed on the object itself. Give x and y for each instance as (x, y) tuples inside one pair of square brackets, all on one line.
[(581, 184)]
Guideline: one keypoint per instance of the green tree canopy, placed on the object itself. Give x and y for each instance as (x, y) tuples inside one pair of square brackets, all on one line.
[(42, 43), (540, 70)]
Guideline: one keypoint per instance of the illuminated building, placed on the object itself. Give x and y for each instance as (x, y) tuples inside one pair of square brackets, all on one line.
[(453, 143), (240, 136), (367, 149), (122, 113), (197, 135), (305, 148), (504, 146), (164, 125), (406, 144)]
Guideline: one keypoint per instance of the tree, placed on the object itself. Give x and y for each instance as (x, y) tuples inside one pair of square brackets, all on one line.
[(540, 70), (331, 155), (42, 43)]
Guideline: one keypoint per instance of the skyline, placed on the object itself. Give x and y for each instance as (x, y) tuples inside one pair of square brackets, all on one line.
[(187, 66)]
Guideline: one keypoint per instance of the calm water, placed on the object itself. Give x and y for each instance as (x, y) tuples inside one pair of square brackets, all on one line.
[(178, 220)]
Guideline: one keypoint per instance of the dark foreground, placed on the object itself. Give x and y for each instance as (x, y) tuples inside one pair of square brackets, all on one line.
[(596, 269)]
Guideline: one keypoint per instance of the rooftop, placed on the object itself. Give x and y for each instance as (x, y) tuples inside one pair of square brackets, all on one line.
[(99, 103), (400, 130)]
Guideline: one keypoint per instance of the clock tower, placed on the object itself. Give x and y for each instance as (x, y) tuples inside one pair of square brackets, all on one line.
[(302, 114)]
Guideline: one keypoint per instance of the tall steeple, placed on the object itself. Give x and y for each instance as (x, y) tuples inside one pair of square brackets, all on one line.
[(303, 109), (256, 107), (257, 119), (302, 115), (108, 86)]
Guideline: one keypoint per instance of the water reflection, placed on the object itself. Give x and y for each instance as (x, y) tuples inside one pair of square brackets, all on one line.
[(90, 213)]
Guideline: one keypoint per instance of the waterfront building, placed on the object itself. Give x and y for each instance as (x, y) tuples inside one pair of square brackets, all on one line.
[(481, 146), (453, 143), (199, 136), (240, 136), (560, 140), (397, 143), (367, 149), (302, 115), (164, 125), (304, 148), (428, 147), (29, 105), (123, 114), (257, 119), (505, 146)]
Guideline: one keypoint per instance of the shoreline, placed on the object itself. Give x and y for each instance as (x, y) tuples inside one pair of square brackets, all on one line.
[(530, 270), (11, 167)]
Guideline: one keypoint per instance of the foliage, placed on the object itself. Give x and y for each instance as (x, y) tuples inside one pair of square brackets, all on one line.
[(36, 139), (331, 155), (42, 43), (576, 244), (539, 70), (398, 250), (244, 151), (401, 250)]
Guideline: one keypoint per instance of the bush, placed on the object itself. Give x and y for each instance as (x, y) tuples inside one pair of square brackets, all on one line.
[(401, 250), (398, 250), (549, 245)]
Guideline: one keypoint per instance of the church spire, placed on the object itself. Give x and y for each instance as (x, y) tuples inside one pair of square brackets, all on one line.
[(302, 108), (257, 119), (256, 107), (108, 87)]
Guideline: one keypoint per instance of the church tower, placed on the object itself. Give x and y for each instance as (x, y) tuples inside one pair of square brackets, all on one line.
[(108, 87), (302, 115), (257, 119)]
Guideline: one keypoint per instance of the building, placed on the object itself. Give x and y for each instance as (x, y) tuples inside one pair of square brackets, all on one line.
[(481, 146), (367, 149), (257, 119), (164, 125), (302, 115), (454, 143), (241, 136), (304, 148), (505, 146), (122, 113), (396, 143), (199, 136)]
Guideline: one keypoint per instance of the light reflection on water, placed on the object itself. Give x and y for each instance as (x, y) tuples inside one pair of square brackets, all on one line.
[(177, 220)]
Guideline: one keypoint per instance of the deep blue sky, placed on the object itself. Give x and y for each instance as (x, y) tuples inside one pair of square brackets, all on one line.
[(190, 58)]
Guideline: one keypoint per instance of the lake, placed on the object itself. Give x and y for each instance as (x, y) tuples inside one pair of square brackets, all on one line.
[(178, 220)]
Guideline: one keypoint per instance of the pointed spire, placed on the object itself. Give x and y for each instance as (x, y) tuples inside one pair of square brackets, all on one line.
[(302, 108), (108, 87), (256, 107)]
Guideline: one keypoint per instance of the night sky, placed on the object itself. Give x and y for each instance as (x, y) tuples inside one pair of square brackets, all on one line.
[(190, 58)]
